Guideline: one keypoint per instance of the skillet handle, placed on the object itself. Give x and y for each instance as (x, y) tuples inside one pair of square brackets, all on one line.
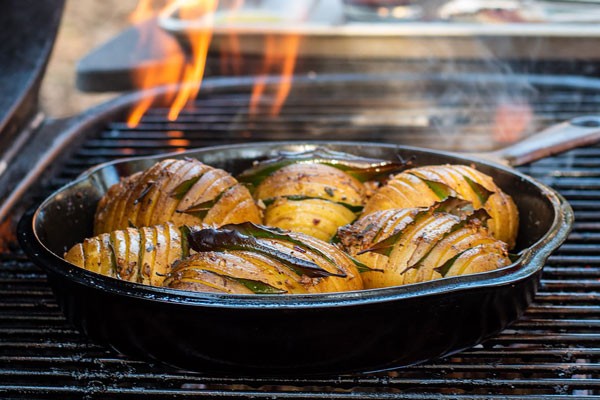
[(577, 132)]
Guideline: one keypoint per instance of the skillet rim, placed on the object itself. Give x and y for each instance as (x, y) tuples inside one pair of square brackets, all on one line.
[(529, 263)]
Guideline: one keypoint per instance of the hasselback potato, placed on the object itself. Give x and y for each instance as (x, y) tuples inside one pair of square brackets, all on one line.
[(419, 244), (423, 186), (314, 192), (314, 199), (181, 191), (143, 255), (248, 258)]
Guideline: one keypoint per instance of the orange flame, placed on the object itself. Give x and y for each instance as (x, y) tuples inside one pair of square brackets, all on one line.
[(143, 11), (279, 57), (175, 68), (260, 85), (200, 42), (284, 51), (230, 52), (231, 55), (291, 44)]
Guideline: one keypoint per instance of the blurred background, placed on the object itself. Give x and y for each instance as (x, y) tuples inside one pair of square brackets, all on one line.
[(88, 24), (85, 25)]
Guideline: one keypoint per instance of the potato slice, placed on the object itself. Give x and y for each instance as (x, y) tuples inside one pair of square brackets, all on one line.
[(180, 191), (437, 182), (420, 244), (113, 199), (314, 217), (142, 255), (314, 199)]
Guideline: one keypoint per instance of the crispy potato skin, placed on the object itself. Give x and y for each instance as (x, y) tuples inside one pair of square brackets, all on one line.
[(409, 189), (427, 245), (144, 255), (217, 271), (400, 235), (173, 190), (309, 198)]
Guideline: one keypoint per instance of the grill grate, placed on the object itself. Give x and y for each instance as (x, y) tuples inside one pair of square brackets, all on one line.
[(553, 350)]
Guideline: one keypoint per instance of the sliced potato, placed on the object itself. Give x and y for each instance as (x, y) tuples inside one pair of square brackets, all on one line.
[(314, 217), (423, 186), (108, 204), (144, 255), (314, 199), (263, 260), (420, 244), (181, 191)]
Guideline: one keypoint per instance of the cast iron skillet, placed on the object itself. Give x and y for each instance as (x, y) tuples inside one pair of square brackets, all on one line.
[(303, 334)]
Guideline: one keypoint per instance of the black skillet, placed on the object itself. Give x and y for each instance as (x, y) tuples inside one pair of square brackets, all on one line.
[(304, 334)]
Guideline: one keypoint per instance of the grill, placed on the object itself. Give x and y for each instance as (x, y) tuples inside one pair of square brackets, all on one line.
[(553, 350)]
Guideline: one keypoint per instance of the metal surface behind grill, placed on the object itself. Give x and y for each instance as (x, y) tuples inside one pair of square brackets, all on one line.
[(553, 350)]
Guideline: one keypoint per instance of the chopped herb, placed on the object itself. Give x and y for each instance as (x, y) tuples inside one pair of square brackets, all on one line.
[(362, 168), (353, 208), (144, 192), (201, 209), (258, 287), (184, 187), (441, 190), (481, 192), (445, 268)]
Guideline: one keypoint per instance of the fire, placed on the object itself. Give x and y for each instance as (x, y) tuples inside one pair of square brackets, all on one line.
[(199, 42), (261, 81), (231, 53), (278, 51), (291, 44), (186, 72), (177, 68)]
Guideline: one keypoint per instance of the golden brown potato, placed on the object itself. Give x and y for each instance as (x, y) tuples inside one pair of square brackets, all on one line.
[(314, 199), (143, 255), (420, 244), (181, 191), (423, 186), (249, 258)]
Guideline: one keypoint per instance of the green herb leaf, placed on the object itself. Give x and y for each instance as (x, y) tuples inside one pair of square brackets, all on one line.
[(295, 197), (481, 192), (201, 209), (184, 187), (258, 287), (361, 267), (185, 245), (335, 239), (229, 239), (385, 247), (362, 168), (441, 190), (263, 232), (445, 268), (419, 263), (113, 259)]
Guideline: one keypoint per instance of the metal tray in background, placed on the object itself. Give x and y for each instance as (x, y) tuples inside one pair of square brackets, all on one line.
[(325, 34)]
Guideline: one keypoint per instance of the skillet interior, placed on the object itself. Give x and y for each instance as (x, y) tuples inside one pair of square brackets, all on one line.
[(345, 331)]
